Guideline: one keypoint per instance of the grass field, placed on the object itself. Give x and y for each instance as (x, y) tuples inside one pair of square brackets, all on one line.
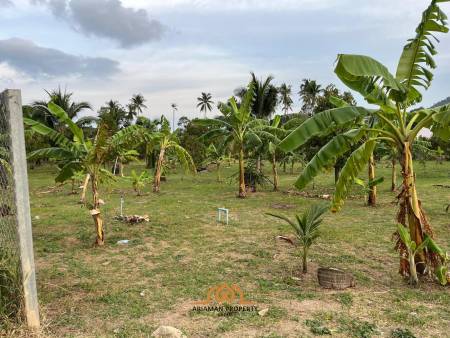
[(170, 262)]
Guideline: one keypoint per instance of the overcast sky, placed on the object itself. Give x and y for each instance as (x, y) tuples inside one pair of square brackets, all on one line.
[(172, 50)]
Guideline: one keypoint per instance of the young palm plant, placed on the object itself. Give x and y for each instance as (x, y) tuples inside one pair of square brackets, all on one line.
[(306, 229), (396, 124), (80, 154)]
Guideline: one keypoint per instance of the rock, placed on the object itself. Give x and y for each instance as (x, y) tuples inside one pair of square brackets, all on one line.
[(263, 312), (123, 242), (168, 332)]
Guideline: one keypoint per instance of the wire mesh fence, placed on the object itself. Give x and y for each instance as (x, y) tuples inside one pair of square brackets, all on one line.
[(18, 298), (10, 280)]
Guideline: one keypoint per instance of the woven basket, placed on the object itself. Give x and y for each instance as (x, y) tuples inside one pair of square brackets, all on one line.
[(332, 278)]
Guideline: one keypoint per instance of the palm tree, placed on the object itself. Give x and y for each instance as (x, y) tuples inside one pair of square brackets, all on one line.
[(306, 228), (135, 107), (77, 154), (114, 115), (396, 124), (309, 91), (205, 103), (285, 92), (137, 102), (40, 112), (235, 126), (166, 142), (265, 97)]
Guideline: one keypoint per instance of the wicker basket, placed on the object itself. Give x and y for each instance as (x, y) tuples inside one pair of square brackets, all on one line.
[(332, 278)]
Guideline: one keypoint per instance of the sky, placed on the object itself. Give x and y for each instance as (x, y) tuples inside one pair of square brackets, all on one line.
[(172, 50)]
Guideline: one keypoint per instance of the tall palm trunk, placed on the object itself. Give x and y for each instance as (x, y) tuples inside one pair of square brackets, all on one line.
[(284, 167), (292, 167), (372, 198), (258, 163), (412, 216), (83, 191), (275, 173), (159, 164), (95, 212), (242, 192), (394, 175)]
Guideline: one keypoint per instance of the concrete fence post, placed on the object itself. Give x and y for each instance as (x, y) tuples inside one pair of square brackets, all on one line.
[(13, 105)]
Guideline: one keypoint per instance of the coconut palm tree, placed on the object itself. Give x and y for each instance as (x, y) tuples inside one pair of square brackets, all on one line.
[(285, 92), (265, 97), (39, 111), (135, 107), (137, 103), (78, 154), (205, 103), (396, 124), (306, 227), (309, 92), (114, 115)]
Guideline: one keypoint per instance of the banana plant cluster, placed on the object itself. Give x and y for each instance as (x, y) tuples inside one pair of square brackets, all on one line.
[(166, 142), (395, 123), (77, 154)]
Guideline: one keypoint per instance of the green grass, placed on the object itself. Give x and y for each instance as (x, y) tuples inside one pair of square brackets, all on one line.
[(128, 291)]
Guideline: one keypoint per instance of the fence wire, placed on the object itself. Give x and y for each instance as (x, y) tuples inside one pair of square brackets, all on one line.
[(10, 280)]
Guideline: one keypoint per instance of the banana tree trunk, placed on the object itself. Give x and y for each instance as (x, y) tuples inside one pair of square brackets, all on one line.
[(275, 173), (337, 171), (96, 214), (394, 175), (258, 164), (121, 166), (372, 198), (83, 191), (413, 217), (242, 192), (73, 192), (219, 178), (159, 164), (284, 167)]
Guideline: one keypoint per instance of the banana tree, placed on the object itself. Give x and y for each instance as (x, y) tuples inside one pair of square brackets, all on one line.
[(80, 154), (217, 155), (397, 124), (271, 136), (166, 142), (235, 125)]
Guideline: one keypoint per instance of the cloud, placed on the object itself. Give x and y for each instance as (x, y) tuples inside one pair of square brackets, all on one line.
[(108, 19), (35, 61), (6, 3)]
